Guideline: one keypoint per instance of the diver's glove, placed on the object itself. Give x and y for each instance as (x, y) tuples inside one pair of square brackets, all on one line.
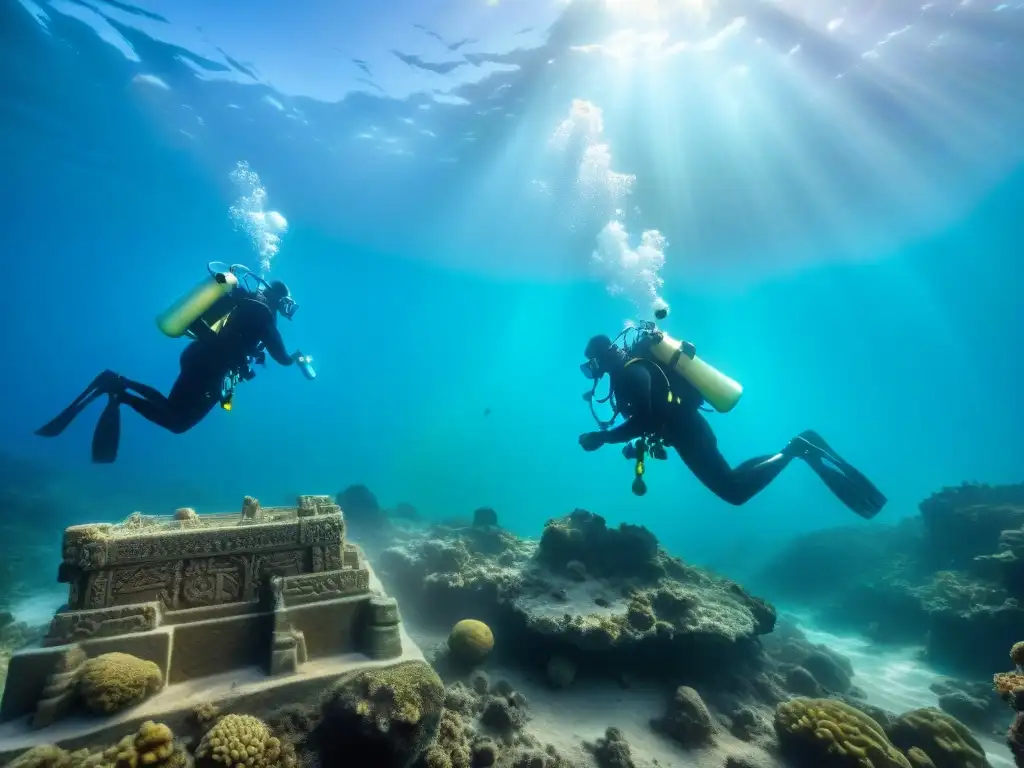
[(591, 441)]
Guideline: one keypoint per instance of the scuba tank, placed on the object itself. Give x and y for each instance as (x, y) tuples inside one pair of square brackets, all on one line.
[(667, 355), (178, 318), (718, 390)]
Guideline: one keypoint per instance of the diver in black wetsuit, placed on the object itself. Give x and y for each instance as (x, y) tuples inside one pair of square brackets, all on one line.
[(641, 388), (210, 366)]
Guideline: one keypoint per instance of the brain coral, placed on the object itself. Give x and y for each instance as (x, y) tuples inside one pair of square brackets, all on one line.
[(943, 738), (115, 681), (471, 640), (825, 733)]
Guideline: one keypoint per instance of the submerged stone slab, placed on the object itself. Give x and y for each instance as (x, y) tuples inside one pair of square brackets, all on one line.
[(276, 590)]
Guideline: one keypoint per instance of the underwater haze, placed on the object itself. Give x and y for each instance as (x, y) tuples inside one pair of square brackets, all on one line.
[(459, 195), (450, 209)]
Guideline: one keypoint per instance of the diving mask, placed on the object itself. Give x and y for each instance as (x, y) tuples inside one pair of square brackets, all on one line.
[(591, 369), (288, 307)]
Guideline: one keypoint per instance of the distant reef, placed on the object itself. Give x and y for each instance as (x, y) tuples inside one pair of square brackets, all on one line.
[(950, 580)]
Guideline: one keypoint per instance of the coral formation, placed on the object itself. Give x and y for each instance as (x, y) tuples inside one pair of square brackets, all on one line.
[(115, 681), (583, 591), (951, 580), (43, 756), (152, 745), (825, 733), (1010, 686), (451, 748), (945, 740), (583, 537), (612, 750), (389, 715), (482, 725), (471, 640), (975, 704), (242, 741)]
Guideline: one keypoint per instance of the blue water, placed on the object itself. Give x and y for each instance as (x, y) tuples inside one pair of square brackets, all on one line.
[(841, 192)]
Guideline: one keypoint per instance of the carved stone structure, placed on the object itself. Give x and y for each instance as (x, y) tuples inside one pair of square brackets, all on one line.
[(383, 638), (206, 595)]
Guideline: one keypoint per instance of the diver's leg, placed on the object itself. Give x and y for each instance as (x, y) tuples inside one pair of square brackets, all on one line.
[(191, 398), (106, 383), (697, 445), (144, 390), (844, 480)]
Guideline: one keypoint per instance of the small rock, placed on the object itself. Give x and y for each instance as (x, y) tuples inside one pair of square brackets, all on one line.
[(744, 723), (560, 672), (965, 708), (479, 682), (576, 570), (503, 688), (687, 720), (485, 517), (485, 753), (501, 716), (802, 682), (827, 672), (612, 751)]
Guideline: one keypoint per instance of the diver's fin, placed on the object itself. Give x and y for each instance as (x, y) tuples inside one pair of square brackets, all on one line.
[(844, 480), (107, 436), (102, 384)]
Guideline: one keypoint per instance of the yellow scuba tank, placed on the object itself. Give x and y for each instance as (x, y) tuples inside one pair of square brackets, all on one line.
[(721, 392), (180, 316)]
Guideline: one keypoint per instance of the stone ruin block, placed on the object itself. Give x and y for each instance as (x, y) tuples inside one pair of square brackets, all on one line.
[(273, 587)]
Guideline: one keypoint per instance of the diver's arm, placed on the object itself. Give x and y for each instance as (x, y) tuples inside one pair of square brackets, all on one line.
[(274, 344), (629, 429), (633, 387)]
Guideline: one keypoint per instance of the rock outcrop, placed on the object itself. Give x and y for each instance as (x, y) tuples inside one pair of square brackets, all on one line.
[(951, 580), (607, 596)]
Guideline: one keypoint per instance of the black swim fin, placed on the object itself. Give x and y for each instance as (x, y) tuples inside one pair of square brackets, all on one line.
[(104, 383), (107, 436), (842, 478)]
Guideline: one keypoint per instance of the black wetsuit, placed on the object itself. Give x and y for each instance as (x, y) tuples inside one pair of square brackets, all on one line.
[(641, 394), (205, 363), (249, 332)]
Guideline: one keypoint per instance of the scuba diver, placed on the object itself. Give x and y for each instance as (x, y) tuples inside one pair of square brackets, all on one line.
[(231, 317), (660, 386)]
